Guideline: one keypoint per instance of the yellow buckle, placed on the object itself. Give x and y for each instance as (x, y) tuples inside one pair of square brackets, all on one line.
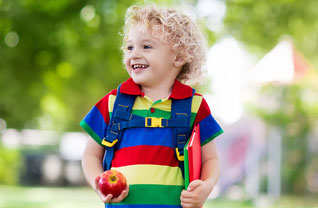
[(155, 122), (108, 144), (180, 157)]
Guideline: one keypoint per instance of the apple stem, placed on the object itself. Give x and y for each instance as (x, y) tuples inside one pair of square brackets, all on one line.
[(113, 178)]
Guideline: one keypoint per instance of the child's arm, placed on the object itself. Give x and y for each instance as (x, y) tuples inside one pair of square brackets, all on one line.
[(92, 168), (199, 190)]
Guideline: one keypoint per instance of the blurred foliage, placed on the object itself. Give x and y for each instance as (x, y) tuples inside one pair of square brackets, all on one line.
[(10, 166), (261, 24), (63, 54), (294, 110), (58, 58)]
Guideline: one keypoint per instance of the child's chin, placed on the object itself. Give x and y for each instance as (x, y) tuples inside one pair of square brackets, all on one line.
[(138, 81)]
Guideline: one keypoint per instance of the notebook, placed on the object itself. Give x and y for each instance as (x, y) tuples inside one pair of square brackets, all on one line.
[(192, 157)]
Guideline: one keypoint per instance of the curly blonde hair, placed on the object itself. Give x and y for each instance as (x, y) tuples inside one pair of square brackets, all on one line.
[(176, 28)]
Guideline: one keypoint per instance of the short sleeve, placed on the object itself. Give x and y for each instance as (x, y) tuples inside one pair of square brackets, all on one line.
[(209, 127), (95, 123)]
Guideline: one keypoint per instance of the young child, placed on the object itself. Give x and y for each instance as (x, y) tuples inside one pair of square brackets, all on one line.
[(161, 48)]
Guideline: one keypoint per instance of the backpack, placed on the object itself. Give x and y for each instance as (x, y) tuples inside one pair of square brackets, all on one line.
[(122, 118)]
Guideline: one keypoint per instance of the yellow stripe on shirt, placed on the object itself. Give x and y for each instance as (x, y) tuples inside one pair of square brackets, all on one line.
[(152, 174), (144, 104), (196, 102)]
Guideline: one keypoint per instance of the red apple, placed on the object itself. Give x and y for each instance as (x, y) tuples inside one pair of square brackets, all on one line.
[(112, 182)]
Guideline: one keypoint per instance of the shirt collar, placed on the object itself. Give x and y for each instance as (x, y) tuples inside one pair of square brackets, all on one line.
[(179, 90)]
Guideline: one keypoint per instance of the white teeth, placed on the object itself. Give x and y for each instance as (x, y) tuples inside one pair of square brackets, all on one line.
[(135, 66)]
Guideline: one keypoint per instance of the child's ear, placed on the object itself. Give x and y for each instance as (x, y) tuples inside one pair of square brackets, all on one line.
[(178, 62)]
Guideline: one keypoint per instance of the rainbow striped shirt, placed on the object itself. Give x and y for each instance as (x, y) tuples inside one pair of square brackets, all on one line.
[(146, 155)]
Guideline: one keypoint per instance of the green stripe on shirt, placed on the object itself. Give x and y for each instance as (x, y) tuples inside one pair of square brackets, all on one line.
[(153, 194), (212, 137), (88, 129)]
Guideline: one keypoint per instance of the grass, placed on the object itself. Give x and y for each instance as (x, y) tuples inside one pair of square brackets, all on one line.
[(83, 197), (48, 197)]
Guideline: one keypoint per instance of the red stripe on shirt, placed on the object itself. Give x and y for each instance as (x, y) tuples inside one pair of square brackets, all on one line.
[(145, 154), (203, 112), (102, 105)]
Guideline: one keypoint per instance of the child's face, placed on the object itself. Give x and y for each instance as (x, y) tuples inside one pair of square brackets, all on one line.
[(149, 60)]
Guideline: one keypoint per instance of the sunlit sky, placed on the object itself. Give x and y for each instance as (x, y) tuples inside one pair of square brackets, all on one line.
[(233, 71), (235, 74), (228, 66)]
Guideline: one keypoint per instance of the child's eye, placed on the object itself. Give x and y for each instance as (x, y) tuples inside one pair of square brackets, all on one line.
[(129, 48), (147, 47)]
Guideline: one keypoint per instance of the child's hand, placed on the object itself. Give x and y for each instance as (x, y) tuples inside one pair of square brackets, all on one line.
[(195, 195), (109, 198)]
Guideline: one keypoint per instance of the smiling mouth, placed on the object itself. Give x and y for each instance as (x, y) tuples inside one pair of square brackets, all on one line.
[(139, 66)]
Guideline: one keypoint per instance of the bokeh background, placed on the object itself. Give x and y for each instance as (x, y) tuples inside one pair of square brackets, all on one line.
[(59, 57)]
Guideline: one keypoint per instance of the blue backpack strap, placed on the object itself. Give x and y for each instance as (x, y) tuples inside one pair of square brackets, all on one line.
[(122, 118), (123, 103), (181, 109), (133, 121)]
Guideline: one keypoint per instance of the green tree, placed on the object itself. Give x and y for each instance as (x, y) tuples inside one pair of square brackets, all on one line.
[(10, 165), (58, 58), (67, 53), (261, 24)]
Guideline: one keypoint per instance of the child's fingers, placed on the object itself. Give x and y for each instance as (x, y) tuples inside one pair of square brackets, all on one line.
[(126, 191), (191, 198), (122, 196), (186, 205), (186, 194), (107, 199), (186, 200), (190, 205), (194, 184)]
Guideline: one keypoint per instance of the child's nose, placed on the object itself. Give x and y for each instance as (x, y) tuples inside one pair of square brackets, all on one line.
[(136, 53)]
